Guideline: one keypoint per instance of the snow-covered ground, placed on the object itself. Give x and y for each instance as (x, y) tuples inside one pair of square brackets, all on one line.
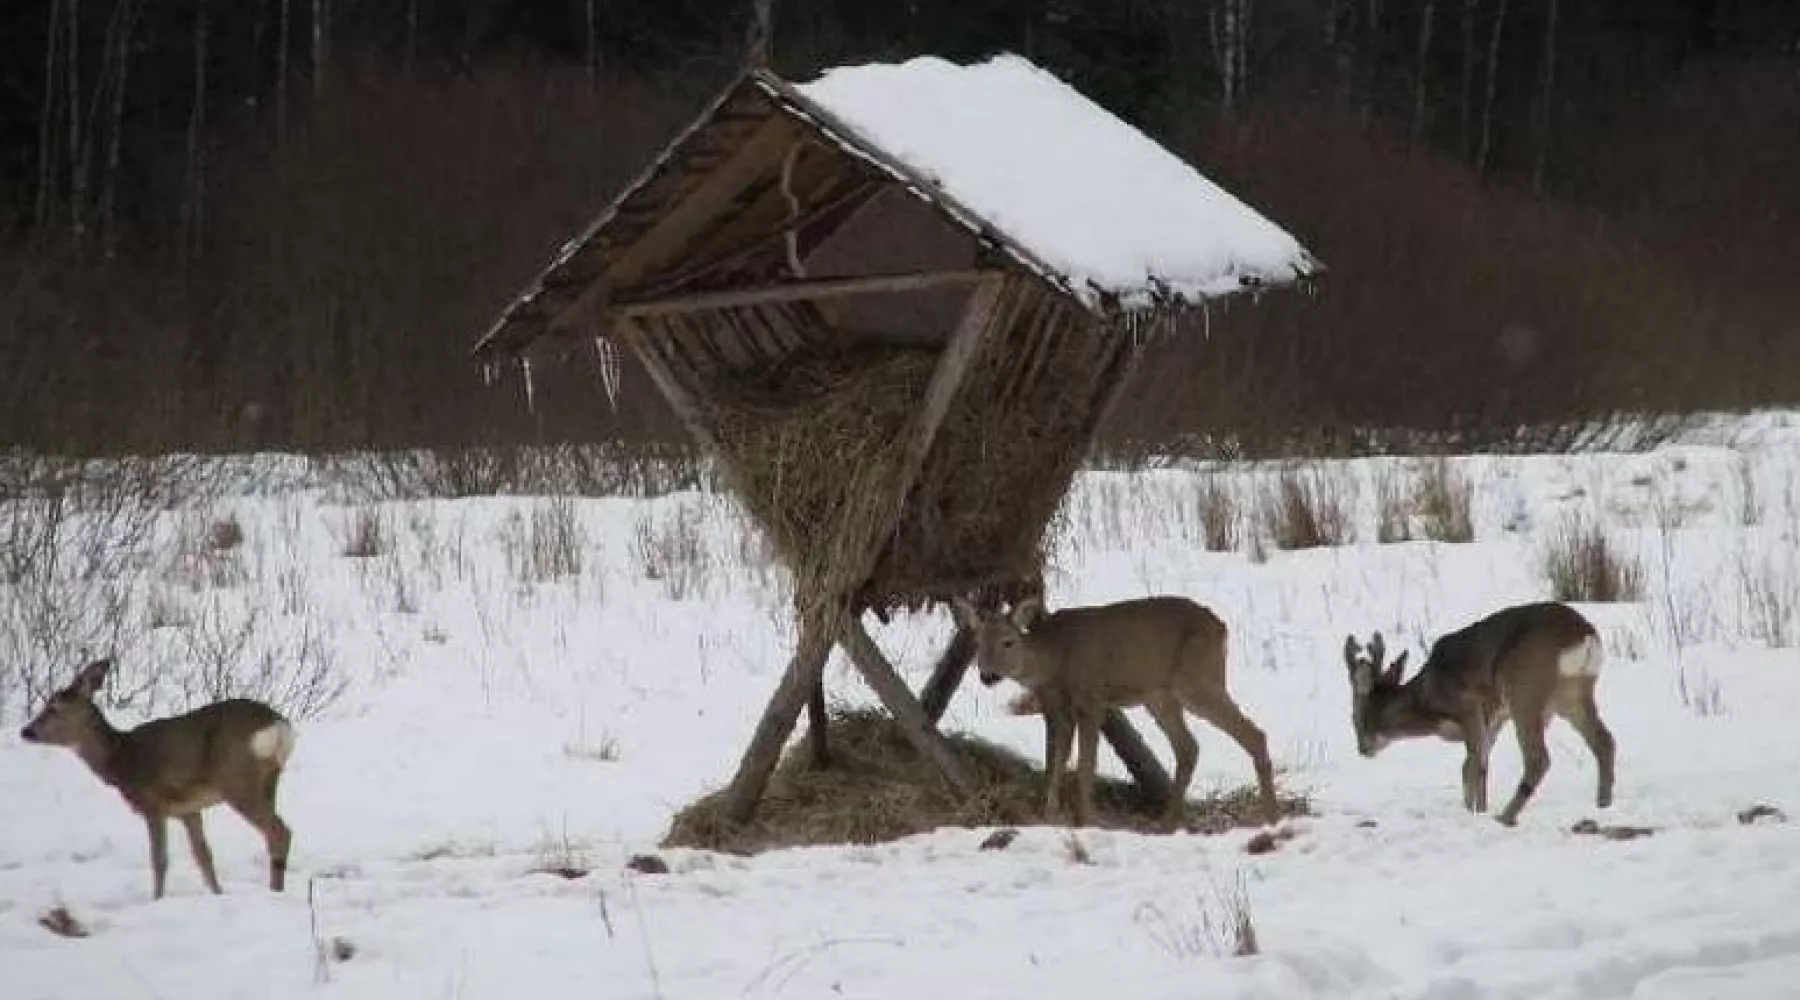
[(528, 682)]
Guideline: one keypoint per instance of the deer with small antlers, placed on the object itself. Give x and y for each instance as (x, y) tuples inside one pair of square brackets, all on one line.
[(1526, 663), (230, 752), (1164, 653)]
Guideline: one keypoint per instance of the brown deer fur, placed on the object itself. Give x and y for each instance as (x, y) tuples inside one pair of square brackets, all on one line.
[(1525, 663), (230, 751), (1164, 653)]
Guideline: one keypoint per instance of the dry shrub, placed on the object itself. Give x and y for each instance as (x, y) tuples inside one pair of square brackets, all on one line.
[(1393, 513), (1309, 508), (1444, 498), (1582, 563), (879, 789), (549, 545), (1220, 926), (672, 551), (1221, 522), (1769, 584), (365, 534)]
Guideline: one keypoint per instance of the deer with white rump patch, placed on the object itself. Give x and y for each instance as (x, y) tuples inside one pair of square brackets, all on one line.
[(1527, 662), (230, 751), (1164, 653)]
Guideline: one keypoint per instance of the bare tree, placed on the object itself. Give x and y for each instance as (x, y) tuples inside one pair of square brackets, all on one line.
[(321, 42), (1231, 46), (1426, 16), (1547, 96), (1470, 9), (1484, 153), (192, 209)]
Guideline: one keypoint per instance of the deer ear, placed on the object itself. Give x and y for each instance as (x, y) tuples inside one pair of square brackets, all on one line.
[(966, 615), (1026, 613), (1350, 650), (1396, 670), (93, 676), (1377, 649)]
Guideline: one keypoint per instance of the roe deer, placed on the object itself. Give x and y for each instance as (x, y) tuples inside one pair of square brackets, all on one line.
[(230, 751), (1164, 653), (1527, 662)]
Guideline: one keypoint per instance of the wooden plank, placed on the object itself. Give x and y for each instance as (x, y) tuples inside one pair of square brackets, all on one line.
[(819, 288), (779, 717), (971, 332), (1139, 762), (947, 675), (894, 694), (680, 401), (665, 239), (818, 746)]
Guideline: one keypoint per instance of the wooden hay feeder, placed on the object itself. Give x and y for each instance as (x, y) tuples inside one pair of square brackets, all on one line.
[(904, 434)]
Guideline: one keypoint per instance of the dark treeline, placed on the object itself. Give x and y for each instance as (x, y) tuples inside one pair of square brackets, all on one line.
[(281, 223)]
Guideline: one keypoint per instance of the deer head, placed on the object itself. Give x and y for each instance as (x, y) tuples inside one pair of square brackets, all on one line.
[(1001, 649), (70, 716), (1375, 692)]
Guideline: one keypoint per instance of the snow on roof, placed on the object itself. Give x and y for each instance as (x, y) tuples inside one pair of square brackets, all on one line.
[(1089, 195)]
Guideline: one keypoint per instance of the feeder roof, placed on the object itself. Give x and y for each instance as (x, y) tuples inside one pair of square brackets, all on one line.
[(1051, 182), (1099, 203)]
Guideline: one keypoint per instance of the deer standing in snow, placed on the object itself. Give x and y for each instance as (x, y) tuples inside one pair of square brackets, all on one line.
[(230, 751), (1527, 662), (1164, 653)]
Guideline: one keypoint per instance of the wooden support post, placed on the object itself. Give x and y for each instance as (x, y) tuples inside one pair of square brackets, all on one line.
[(898, 699), (1139, 762), (1152, 781), (818, 744), (947, 676), (745, 792)]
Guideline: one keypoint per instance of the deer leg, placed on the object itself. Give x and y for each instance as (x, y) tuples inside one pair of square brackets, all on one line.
[(1087, 725), (1477, 739), (258, 810), (1583, 714), (1224, 713), (159, 852), (1169, 716), (1530, 729), (1060, 729), (203, 856)]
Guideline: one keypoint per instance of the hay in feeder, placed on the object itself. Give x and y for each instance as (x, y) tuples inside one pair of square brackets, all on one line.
[(878, 788), (817, 440)]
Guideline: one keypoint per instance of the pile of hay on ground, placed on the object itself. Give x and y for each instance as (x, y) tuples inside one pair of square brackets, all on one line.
[(879, 789)]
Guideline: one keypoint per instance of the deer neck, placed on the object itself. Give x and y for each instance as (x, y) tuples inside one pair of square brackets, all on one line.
[(99, 750)]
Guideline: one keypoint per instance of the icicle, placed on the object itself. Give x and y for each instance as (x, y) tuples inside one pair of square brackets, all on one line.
[(608, 358), (1206, 320), (530, 392), (489, 374)]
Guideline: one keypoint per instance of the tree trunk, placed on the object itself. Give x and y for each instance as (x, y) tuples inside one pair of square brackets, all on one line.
[(116, 126), (1371, 59), (1485, 152), (1547, 99), (73, 76), (593, 47), (47, 170), (281, 69), (193, 208), (321, 42), (1422, 84), (1467, 139)]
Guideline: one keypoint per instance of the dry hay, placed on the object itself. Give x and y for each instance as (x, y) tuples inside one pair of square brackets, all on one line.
[(817, 439), (879, 789), (816, 442)]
